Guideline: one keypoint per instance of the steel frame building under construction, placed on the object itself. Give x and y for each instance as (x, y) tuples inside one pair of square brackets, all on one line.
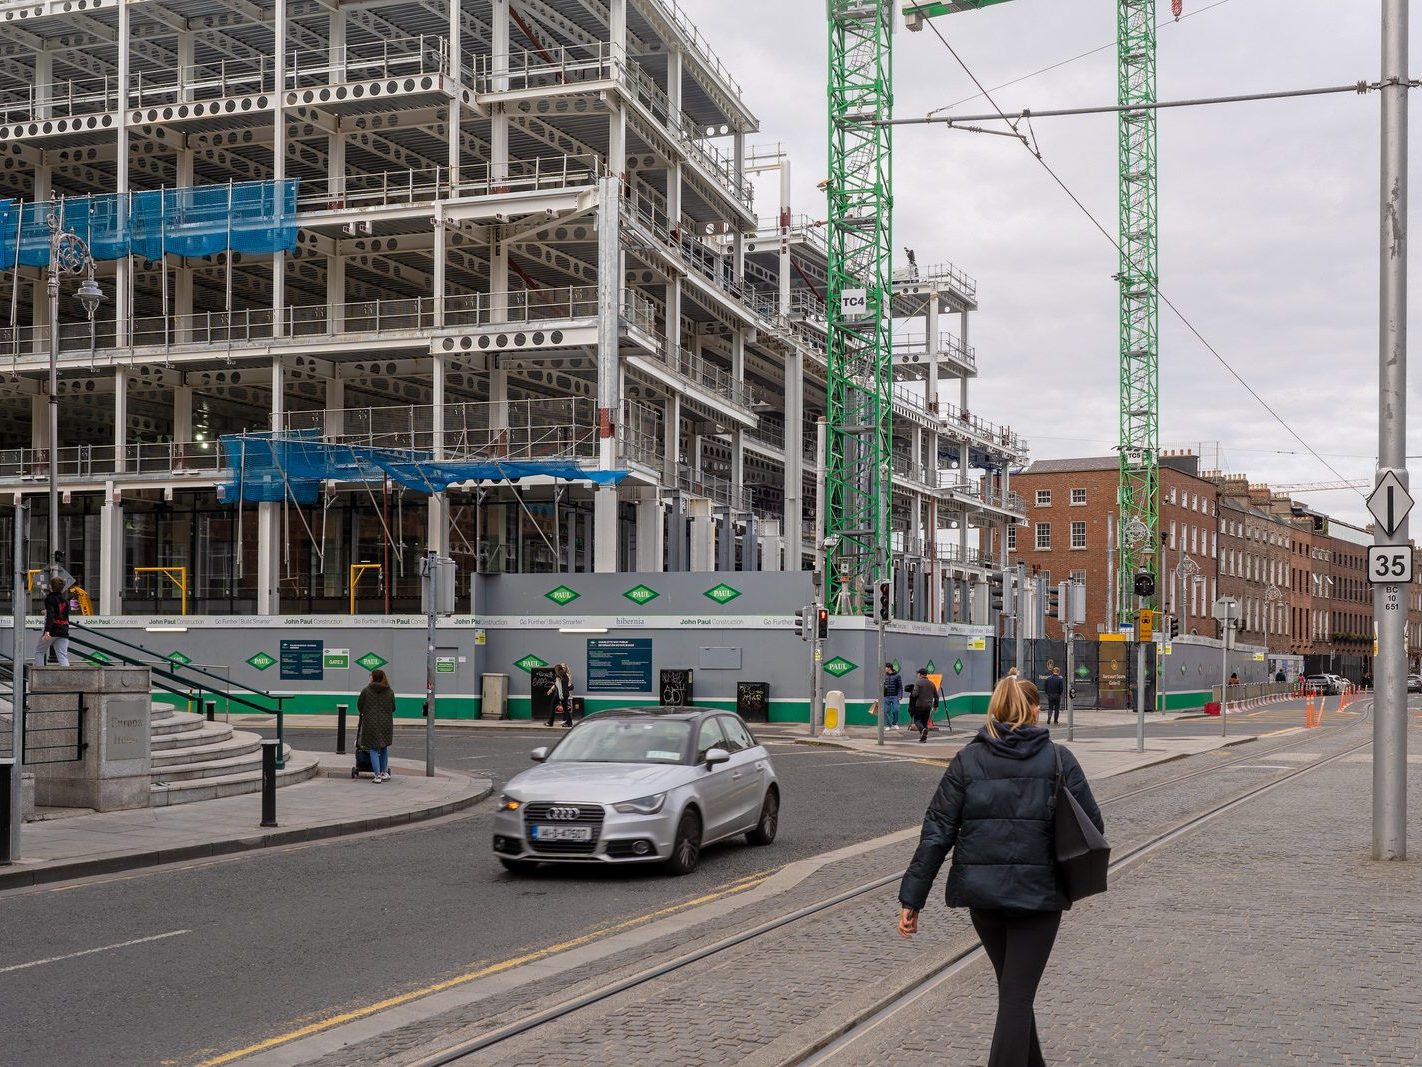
[(524, 233)]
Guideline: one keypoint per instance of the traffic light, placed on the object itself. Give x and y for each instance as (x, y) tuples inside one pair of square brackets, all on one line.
[(800, 630), (995, 592), (1145, 584), (1054, 602), (822, 627), (886, 593), (1173, 627)]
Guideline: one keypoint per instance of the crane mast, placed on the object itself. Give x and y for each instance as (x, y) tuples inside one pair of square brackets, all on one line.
[(859, 465)]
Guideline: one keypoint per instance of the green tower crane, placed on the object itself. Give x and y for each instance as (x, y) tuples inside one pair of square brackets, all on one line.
[(859, 475), (859, 465)]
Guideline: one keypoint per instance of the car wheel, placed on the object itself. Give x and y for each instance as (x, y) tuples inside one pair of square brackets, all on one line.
[(518, 866), (764, 832), (686, 849)]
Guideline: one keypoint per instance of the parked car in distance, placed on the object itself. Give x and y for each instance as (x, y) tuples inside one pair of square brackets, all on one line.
[(1327, 684), (1414, 683), (639, 785)]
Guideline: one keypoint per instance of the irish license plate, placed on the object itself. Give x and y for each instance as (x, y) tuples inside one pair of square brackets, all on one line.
[(561, 833)]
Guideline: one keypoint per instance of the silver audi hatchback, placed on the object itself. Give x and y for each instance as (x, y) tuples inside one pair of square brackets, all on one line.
[(639, 785)]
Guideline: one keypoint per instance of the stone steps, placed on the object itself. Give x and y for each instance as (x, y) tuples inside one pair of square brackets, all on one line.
[(238, 743), (300, 767), (206, 733), (214, 765)]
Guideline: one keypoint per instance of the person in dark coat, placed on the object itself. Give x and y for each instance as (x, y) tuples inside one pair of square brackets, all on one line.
[(1055, 686), (56, 626), (994, 811), (562, 693), (376, 732), (893, 694), (923, 703)]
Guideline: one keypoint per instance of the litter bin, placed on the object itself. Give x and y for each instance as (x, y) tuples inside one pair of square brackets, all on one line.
[(1212, 708)]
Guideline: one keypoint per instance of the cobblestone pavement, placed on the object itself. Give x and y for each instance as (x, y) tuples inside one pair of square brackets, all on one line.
[(764, 1002), (1268, 937)]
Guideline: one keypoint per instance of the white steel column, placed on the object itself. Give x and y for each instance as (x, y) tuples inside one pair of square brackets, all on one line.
[(650, 527), (39, 423), (110, 553), (278, 157), (738, 437), (182, 273), (333, 419), (183, 419), (185, 68), (617, 124), (671, 439), (498, 115), (269, 542), (609, 362), (437, 539), (44, 83), (120, 437), (456, 74), (123, 278)]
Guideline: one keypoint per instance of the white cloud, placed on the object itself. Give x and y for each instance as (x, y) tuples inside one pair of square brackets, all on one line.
[(1268, 214)]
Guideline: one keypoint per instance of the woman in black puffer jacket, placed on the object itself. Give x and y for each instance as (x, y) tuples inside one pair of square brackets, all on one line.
[(993, 810)]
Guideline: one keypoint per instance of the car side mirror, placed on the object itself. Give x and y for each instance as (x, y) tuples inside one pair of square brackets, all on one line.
[(538, 755), (717, 756)]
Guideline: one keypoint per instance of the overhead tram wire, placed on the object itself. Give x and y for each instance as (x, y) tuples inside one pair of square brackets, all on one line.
[(1162, 24), (1037, 154)]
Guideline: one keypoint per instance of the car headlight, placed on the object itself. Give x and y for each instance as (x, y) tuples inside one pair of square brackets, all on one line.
[(508, 803), (642, 805)]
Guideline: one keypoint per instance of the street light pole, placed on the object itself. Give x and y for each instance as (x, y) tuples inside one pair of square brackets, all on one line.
[(1390, 702)]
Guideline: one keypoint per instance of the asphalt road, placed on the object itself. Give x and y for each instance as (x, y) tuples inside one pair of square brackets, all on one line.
[(265, 942)]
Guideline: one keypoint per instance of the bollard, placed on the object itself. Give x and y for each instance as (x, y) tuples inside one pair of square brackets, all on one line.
[(341, 712), (269, 769), (212, 711), (7, 769)]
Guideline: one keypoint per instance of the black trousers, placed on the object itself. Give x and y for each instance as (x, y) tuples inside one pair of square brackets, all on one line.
[(1019, 944), (1054, 708), (565, 708)]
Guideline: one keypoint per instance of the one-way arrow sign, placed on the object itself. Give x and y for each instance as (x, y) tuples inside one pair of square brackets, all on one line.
[(1390, 502)]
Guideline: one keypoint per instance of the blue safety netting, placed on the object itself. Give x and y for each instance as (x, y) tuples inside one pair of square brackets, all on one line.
[(275, 467), (258, 218)]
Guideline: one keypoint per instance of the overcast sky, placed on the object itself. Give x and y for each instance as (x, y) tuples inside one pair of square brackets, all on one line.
[(1268, 215)]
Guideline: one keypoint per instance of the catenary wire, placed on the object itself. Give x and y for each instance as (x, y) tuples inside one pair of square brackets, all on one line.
[(1162, 24), (1036, 154)]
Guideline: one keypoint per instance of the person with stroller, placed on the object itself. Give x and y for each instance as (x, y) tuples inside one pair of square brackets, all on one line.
[(376, 731)]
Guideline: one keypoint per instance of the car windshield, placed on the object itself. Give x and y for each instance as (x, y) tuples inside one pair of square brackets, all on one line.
[(625, 741)]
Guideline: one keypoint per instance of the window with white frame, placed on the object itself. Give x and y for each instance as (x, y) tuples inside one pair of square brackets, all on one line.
[(1012, 538), (1078, 498), (1078, 535), (1044, 536), (1044, 498), (1078, 576)]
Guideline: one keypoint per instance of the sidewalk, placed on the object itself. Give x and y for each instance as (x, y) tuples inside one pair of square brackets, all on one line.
[(1101, 757), (329, 805)]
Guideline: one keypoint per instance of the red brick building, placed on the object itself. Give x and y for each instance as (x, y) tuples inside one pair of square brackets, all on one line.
[(1070, 533)]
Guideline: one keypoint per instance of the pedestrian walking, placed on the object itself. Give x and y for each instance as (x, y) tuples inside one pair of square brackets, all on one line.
[(923, 702), (893, 694), (562, 693), (56, 626), (1055, 685), (994, 811), (376, 730)]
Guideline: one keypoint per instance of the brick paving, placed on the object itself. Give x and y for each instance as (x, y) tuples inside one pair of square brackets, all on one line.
[(1268, 937)]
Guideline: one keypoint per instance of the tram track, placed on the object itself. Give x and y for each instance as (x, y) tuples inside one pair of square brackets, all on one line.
[(875, 1014)]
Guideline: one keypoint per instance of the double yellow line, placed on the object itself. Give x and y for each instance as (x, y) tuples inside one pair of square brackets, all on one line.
[(732, 888)]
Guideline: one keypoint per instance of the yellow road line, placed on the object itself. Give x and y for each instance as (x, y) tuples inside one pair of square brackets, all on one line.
[(483, 972)]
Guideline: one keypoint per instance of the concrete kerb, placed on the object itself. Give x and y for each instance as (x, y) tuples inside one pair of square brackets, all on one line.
[(23, 875)]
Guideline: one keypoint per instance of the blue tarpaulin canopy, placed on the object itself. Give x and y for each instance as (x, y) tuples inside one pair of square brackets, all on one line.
[(258, 218), (275, 467)]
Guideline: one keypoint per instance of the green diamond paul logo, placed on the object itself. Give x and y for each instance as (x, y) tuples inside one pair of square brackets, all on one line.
[(641, 594), (839, 667), (261, 661), (562, 596), (529, 662), (97, 658), (180, 659), (957, 666), (931, 667), (371, 662), (723, 594)]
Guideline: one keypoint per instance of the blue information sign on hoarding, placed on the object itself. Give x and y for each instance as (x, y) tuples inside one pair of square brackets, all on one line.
[(619, 665), (301, 661)]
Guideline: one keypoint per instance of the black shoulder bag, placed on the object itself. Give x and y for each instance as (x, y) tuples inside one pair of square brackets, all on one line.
[(1083, 856)]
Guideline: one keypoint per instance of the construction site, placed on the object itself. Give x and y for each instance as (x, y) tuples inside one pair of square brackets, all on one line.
[(487, 279)]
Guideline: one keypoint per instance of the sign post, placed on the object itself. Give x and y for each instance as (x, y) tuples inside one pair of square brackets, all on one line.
[(1226, 612)]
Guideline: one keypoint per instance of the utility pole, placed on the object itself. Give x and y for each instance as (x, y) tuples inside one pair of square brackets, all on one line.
[(1389, 610), (11, 852)]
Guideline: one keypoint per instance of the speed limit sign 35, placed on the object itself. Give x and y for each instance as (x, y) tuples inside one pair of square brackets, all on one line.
[(1389, 564)]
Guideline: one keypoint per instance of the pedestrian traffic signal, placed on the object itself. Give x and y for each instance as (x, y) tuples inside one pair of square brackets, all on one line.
[(886, 594), (800, 630), (1173, 626), (822, 626), (995, 592)]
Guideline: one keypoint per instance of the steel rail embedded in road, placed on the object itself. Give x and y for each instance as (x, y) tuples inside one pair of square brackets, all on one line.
[(853, 1031), (455, 1053)]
